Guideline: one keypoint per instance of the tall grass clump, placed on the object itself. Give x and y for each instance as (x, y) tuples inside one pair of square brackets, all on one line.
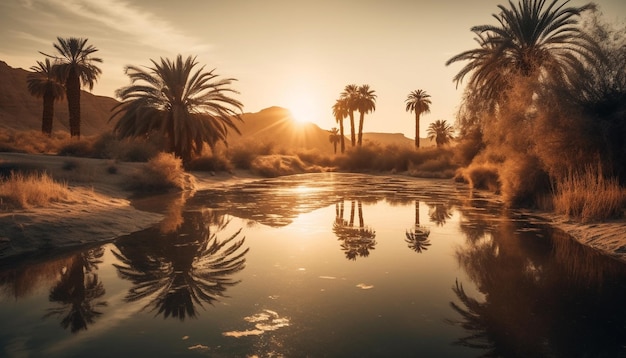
[(162, 173), (588, 195), (26, 191)]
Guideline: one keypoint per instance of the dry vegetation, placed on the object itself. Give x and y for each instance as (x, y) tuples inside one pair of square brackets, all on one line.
[(28, 190), (161, 173)]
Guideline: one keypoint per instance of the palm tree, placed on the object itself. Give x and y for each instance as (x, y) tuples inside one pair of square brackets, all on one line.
[(417, 238), (441, 132), (418, 102), (349, 97), (187, 108), (334, 138), (365, 103), (530, 40), (43, 83), (75, 66), (340, 111)]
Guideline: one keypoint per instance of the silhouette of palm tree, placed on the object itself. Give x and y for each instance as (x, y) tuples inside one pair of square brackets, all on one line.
[(44, 83), (418, 102), (177, 271), (439, 213), (75, 66), (530, 40), (441, 132), (349, 97), (187, 108), (365, 103), (334, 138), (77, 292), (340, 112)]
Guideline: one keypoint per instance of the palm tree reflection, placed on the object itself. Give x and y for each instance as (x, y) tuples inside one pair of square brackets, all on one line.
[(356, 241), (439, 213), (417, 238), (176, 271), (78, 291)]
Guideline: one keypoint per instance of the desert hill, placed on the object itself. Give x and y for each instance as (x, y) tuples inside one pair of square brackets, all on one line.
[(19, 110)]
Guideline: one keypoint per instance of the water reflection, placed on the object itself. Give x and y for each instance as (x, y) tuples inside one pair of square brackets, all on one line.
[(356, 241), (543, 296), (417, 238), (78, 291), (439, 213), (176, 271)]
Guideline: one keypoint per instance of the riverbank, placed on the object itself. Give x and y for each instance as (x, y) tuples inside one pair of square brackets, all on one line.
[(100, 209)]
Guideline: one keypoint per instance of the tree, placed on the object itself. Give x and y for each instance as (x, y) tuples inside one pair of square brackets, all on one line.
[(418, 102), (340, 112), (531, 40), (187, 108), (349, 97), (334, 138), (441, 132), (75, 66), (43, 83), (365, 103)]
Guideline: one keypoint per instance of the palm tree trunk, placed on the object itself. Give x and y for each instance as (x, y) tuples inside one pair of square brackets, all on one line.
[(73, 102), (342, 138), (352, 213), (352, 133), (361, 120), (361, 221), (417, 213), (48, 114), (417, 130)]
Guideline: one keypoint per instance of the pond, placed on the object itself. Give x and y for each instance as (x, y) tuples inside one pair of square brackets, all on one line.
[(321, 265)]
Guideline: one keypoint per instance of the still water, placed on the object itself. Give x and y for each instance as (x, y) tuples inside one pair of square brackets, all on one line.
[(321, 265)]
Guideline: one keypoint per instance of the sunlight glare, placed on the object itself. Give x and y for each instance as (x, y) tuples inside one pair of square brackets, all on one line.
[(303, 105)]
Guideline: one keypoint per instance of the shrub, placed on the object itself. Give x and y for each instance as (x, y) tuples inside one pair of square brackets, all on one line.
[(588, 195), (81, 148), (482, 176), (25, 191), (161, 173), (523, 181), (210, 163), (275, 165)]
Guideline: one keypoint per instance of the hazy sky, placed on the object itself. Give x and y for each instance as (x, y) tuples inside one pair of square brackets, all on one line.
[(289, 53)]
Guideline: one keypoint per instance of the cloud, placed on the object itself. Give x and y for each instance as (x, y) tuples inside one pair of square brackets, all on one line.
[(138, 25)]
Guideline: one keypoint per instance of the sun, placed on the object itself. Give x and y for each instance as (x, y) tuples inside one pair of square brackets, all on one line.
[(303, 105)]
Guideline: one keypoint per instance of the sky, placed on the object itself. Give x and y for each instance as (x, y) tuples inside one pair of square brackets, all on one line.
[(289, 53)]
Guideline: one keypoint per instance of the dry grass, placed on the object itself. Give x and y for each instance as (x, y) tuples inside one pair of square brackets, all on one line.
[(276, 165), (25, 191), (482, 176), (589, 196), (161, 173)]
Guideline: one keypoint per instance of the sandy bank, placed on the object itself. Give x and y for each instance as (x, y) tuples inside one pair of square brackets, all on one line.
[(100, 209)]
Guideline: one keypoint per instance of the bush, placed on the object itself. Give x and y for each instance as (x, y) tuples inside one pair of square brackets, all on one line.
[(210, 163), (589, 196), (81, 148), (25, 191), (271, 166), (482, 176), (162, 173)]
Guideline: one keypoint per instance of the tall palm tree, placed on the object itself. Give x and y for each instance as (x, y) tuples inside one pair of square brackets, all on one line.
[(349, 96), (75, 66), (340, 112), (188, 108), (441, 132), (43, 83), (365, 103), (532, 39), (334, 138), (418, 102)]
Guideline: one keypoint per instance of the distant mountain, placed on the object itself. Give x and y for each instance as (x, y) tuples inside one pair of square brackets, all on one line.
[(21, 111)]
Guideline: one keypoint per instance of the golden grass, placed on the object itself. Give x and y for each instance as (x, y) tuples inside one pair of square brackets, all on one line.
[(589, 196), (26, 191), (161, 173)]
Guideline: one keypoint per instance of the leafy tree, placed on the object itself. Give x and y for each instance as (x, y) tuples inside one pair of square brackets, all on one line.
[(418, 102), (365, 103), (349, 97), (441, 132), (75, 66), (187, 108), (531, 40), (334, 138), (340, 112), (43, 83)]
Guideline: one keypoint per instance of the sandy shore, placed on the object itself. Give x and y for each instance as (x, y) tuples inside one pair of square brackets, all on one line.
[(100, 209)]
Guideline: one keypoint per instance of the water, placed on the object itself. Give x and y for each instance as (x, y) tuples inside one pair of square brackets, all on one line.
[(321, 265)]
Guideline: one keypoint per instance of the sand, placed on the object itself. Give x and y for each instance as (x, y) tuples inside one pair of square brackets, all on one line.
[(100, 209)]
